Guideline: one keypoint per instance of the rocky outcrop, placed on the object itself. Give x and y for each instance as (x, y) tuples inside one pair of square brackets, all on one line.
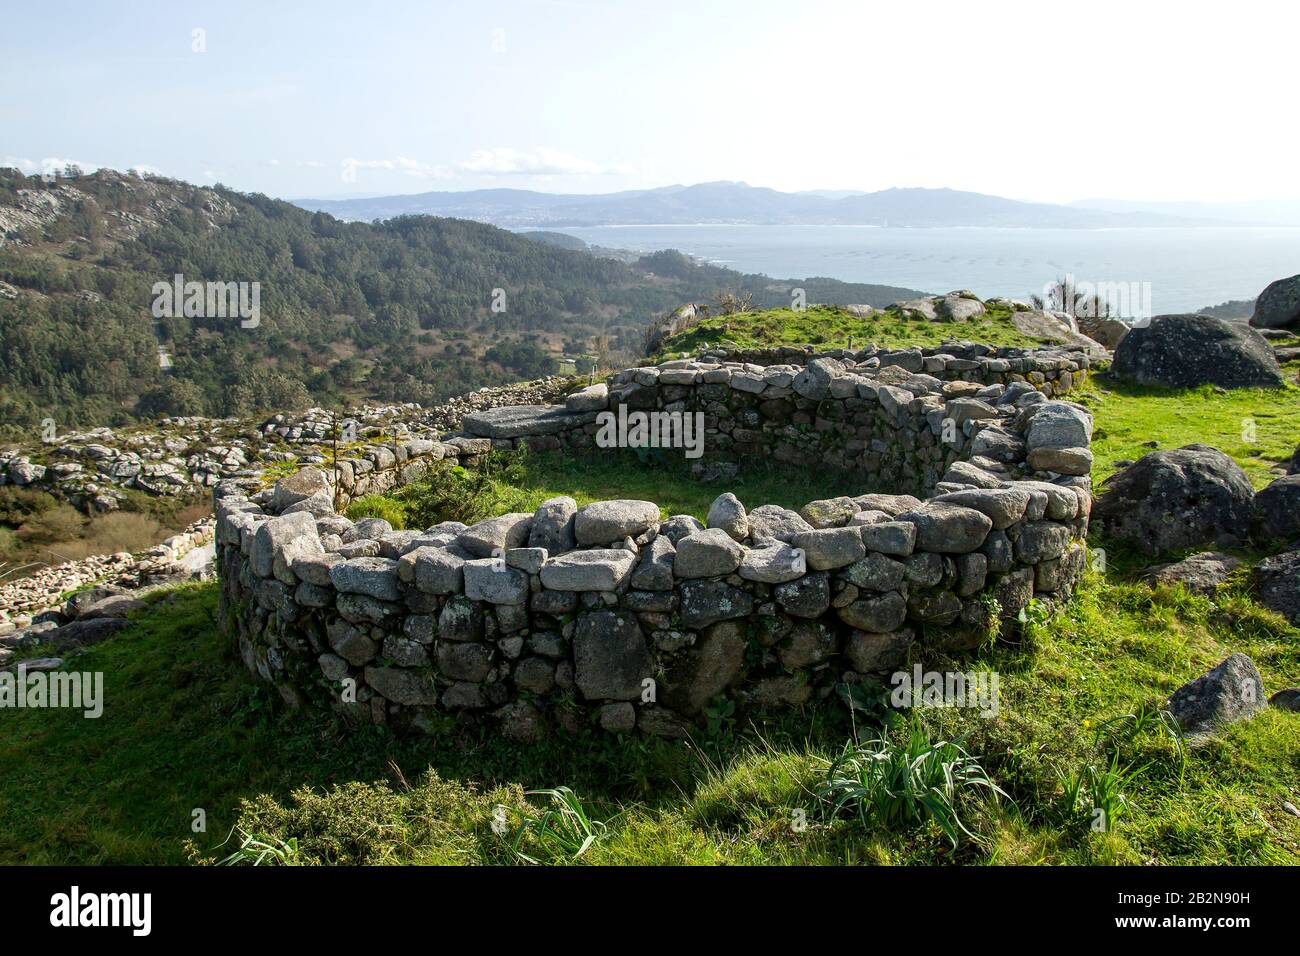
[(1277, 510), (1170, 500), (1278, 581), (185, 457), (1057, 327), (1185, 351), (178, 557), (1200, 573), (1104, 330), (1278, 306), (676, 322), (1231, 692)]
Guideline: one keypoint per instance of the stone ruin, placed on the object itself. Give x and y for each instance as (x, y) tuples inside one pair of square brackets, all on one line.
[(976, 500)]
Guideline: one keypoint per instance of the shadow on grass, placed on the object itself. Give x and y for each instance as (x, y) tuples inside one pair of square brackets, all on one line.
[(186, 735)]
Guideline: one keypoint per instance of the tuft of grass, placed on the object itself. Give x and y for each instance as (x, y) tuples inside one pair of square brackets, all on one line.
[(390, 509), (894, 783), (564, 831), (257, 851), (1097, 793)]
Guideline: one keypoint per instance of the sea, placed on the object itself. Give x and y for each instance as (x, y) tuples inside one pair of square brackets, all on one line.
[(1179, 269)]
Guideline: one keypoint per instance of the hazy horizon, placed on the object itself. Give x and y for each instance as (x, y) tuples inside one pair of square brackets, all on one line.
[(332, 100)]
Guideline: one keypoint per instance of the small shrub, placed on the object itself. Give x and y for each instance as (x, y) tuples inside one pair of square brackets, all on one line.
[(1096, 792), (19, 504), (122, 531), (61, 523), (468, 494), (435, 821)]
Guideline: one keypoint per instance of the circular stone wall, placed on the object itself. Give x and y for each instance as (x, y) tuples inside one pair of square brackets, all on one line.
[(607, 614)]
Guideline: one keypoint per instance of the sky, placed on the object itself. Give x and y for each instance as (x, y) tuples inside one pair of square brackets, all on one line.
[(1039, 101)]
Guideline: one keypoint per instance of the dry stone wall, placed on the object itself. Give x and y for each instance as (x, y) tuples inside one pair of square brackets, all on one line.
[(24, 599), (184, 457), (880, 415), (1054, 370), (614, 615)]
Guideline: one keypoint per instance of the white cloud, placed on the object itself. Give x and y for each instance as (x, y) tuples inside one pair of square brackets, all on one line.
[(30, 167), (541, 161), (54, 164), (401, 164)]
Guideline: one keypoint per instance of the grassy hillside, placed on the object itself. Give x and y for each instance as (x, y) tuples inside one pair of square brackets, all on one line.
[(183, 729), (1078, 729)]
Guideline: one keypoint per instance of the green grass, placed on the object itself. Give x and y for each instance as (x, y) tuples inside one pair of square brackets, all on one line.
[(1258, 427), (520, 482), (378, 506), (182, 729), (829, 327), (1078, 728)]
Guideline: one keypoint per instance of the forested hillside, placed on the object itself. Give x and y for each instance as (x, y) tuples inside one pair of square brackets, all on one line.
[(397, 311)]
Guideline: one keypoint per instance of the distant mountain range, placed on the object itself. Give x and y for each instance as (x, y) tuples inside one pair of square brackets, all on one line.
[(730, 202), (349, 312)]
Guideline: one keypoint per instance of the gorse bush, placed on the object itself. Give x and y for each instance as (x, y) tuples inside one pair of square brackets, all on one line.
[(433, 821), (891, 784), (467, 494)]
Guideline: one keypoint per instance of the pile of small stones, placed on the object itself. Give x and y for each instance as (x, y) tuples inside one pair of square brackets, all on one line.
[(23, 600)]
